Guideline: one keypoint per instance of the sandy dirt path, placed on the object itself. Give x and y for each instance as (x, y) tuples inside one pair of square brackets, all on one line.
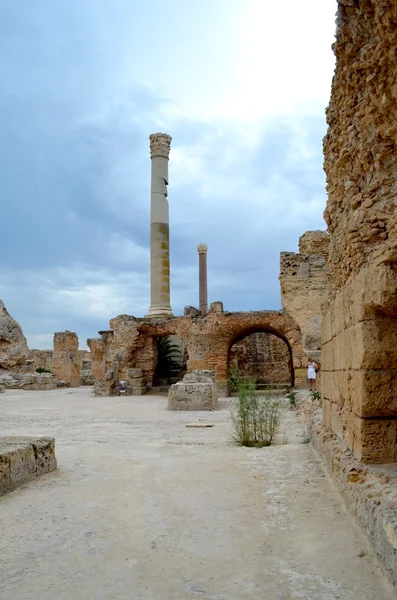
[(143, 508)]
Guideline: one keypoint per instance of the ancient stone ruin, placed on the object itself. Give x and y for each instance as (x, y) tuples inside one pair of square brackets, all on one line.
[(13, 345), (213, 339), (196, 391), (359, 366)]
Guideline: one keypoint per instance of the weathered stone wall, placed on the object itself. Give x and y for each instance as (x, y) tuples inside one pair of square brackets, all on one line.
[(359, 148), (65, 362), (13, 345), (41, 358), (305, 282), (314, 242), (359, 367), (264, 357), (131, 342)]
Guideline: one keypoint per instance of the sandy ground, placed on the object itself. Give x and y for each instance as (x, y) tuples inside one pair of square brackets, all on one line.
[(143, 508)]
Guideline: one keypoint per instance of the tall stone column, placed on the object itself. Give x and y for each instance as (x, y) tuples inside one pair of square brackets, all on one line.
[(203, 289), (160, 144)]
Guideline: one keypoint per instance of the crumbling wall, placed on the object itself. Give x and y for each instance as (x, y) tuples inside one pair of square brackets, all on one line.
[(13, 345), (305, 282), (131, 342), (41, 358), (65, 363), (263, 357), (359, 367)]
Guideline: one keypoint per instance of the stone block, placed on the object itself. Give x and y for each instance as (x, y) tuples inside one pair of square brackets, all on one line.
[(2, 389), (136, 390), (192, 396), (216, 307), (328, 362), (374, 344), (373, 393), (134, 373), (327, 407), (372, 440), (23, 459), (191, 311), (200, 376)]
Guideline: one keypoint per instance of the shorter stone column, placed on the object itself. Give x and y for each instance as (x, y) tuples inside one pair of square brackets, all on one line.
[(203, 288), (97, 348), (65, 362)]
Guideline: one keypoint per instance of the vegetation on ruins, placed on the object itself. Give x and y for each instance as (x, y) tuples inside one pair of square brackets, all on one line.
[(237, 379), (292, 398), (42, 370), (255, 419), (171, 357), (315, 395)]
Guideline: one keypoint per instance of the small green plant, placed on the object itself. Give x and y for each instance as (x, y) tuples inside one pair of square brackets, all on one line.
[(292, 398), (42, 370), (236, 378), (315, 395), (255, 419)]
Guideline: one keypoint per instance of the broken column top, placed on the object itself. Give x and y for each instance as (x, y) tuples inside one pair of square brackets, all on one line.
[(65, 340), (202, 248), (160, 144)]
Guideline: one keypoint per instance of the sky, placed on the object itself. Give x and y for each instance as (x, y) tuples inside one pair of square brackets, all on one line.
[(240, 85)]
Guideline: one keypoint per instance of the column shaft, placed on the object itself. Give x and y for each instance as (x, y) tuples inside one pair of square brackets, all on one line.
[(159, 228)]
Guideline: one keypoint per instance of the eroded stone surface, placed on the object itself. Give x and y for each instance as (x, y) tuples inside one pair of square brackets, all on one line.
[(197, 391), (23, 459), (359, 369), (305, 282), (13, 345)]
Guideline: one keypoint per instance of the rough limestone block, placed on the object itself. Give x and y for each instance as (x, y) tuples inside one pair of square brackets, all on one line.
[(134, 373), (197, 391), (373, 393), (204, 376), (23, 458), (136, 390), (372, 440)]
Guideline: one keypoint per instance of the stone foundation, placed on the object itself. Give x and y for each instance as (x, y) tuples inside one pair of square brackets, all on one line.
[(370, 493), (197, 391), (23, 459)]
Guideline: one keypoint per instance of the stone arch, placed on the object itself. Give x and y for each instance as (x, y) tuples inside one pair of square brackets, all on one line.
[(145, 356), (213, 336), (264, 329)]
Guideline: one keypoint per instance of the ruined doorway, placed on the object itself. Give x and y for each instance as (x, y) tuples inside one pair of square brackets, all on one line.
[(262, 357), (171, 361)]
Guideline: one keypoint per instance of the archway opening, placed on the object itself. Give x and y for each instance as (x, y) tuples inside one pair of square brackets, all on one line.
[(263, 357), (171, 360)]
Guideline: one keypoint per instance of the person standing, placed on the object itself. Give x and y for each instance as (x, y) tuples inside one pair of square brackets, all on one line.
[(312, 369)]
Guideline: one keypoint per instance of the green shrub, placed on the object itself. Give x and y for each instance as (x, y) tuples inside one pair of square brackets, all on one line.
[(292, 398), (42, 370), (255, 419), (314, 395), (236, 379)]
